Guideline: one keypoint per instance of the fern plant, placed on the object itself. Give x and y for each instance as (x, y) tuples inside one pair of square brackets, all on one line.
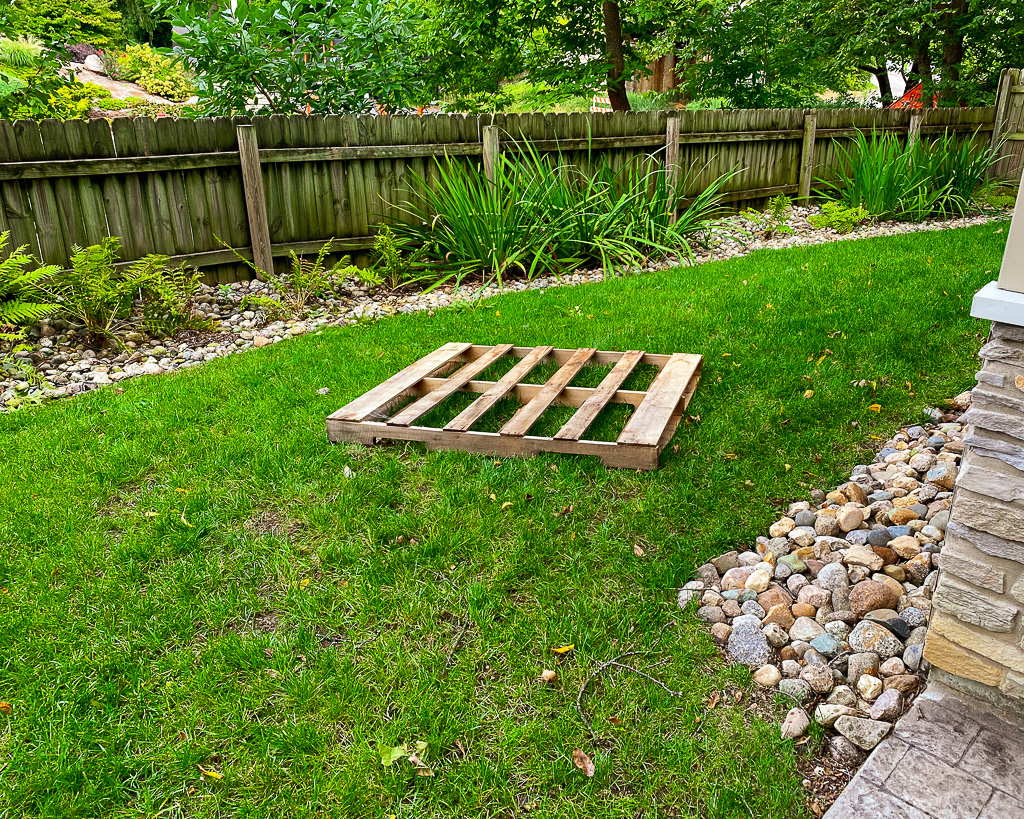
[(168, 296), (91, 292), (20, 303), (305, 280)]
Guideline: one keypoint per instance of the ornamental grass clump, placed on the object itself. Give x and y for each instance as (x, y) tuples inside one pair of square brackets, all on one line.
[(543, 216), (894, 180)]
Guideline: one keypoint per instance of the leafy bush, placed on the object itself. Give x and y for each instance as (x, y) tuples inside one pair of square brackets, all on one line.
[(57, 22), (79, 51), (156, 73), (111, 104), (839, 217), (47, 94), (281, 57), (19, 304), (543, 216), (394, 268), (890, 179)]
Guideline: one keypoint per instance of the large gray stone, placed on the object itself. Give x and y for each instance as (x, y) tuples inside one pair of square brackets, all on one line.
[(747, 645), (805, 629), (864, 733), (797, 689), (871, 637)]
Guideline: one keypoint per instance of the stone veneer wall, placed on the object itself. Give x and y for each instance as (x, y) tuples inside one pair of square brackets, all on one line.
[(977, 623)]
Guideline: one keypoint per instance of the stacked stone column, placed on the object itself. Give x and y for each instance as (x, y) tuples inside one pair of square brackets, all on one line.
[(976, 636)]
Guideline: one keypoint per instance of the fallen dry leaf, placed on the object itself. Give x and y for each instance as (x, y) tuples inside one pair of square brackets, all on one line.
[(547, 675), (875, 408), (809, 394), (583, 762), (637, 550), (6, 709), (212, 774), (564, 649)]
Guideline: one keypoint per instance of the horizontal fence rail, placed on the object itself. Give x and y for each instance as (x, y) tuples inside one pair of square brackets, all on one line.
[(199, 191)]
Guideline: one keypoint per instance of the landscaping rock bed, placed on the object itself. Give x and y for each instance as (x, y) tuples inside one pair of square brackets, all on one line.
[(831, 607), (61, 364)]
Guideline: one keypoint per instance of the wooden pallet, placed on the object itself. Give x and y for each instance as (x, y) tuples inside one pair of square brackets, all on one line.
[(438, 375)]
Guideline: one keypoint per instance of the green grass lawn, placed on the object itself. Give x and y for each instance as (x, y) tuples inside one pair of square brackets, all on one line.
[(191, 583)]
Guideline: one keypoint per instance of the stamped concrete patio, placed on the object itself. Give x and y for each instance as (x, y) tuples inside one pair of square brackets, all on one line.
[(949, 757)]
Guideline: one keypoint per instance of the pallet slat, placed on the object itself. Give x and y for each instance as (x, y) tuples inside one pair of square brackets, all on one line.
[(419, 408), (583, 417), (502, 387), (388, 391), (647, 424), (525, 418)]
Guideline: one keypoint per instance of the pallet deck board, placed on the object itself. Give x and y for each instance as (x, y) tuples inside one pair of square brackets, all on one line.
[(527, 415), (383, 394), (645, 426), (469, 416), (574, 428), (657, 410), (419, 408)]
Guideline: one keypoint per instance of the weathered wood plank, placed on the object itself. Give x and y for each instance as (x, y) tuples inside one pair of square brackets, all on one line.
[(616, 456), (575, 427), (520, 423), (502, 387), (386, 392), (255, 204), (646, 425), (421, 407)]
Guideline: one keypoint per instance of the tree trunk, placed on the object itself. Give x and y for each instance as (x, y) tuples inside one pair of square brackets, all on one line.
[(953, 49), (614, 54), (921, 70), (882, 78)]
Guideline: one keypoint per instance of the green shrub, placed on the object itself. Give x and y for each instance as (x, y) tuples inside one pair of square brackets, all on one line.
[(543, 216), (19, 298), (111, 104), (41, 91), (839, 217), (516, 98), (156, 73), (20, 53), (890, 179), (57, 22)]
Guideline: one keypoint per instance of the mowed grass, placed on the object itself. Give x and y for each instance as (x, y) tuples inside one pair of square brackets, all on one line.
[(191, 583)]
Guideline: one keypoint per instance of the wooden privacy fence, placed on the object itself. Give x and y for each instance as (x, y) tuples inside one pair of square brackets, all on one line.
[(268, 185), (1008, 131)]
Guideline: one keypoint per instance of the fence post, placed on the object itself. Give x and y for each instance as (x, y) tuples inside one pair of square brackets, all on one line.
[(914, 130), (807, 156), (672, 160), (1006, 79), (490, 147), (255, 204)]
